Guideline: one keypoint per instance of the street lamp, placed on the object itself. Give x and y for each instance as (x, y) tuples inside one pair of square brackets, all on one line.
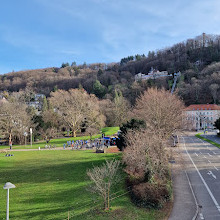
[(8, 186), (31, 135), (25, 138)]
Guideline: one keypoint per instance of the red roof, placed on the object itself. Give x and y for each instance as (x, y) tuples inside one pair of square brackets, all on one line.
[(202, 107)]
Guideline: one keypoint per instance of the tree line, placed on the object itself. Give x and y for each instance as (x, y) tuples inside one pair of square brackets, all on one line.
[(195, 58), (74, 110)]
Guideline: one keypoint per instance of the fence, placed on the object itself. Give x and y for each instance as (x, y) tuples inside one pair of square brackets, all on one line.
[(72, 212)]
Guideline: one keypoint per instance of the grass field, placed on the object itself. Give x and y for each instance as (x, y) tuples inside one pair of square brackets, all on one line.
[(49, 183), (60, 141)]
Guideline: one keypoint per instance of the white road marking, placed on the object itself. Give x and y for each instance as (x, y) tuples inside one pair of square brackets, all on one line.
[(196, 154), (210, 173), (209, 161), (213, 152), (204, 182), (204, 156), (216, 168), (196, 202), (200, 152), (201, 216), (209, 154)]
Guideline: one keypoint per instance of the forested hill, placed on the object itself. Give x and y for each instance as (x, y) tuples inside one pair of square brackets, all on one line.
[(197, 59)]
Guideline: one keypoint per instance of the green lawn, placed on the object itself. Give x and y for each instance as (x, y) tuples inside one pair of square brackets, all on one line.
[(60, 141), (49, 183)]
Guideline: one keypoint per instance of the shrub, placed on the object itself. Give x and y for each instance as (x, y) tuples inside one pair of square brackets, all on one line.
[(150, 195)]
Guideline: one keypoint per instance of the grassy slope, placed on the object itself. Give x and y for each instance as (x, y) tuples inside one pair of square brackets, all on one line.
[(49, 183), (59, 142)]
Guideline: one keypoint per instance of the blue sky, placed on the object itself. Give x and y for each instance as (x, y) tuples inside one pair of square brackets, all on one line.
[(45, 33)]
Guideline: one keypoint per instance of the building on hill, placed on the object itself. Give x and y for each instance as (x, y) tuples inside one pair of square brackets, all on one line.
[(201, 116), (140, 76), (37, 103), (39, 97), (153, 74)]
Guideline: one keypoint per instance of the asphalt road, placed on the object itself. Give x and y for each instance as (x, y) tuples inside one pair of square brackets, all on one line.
[(203, 170)]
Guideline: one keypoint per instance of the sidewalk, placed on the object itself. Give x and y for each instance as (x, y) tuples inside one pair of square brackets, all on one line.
[(184, 204)]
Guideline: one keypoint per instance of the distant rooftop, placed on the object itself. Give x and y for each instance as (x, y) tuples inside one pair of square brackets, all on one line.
[(200, 107)]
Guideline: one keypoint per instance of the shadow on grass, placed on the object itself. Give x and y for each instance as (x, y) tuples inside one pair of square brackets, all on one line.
[(48, 213), (71, 171), (48, 183)]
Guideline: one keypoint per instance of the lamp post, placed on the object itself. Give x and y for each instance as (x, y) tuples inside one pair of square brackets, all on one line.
[(25, 138), (31, 135), (8, 186)]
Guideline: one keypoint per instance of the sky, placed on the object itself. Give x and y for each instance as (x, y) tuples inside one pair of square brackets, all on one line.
[(46, 33)]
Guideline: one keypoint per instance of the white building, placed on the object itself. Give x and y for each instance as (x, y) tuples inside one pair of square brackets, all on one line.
[(201, 116), (141, 76), (153, 74)]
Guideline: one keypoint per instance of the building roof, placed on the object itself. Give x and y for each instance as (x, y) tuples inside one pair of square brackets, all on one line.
[(200, 107)]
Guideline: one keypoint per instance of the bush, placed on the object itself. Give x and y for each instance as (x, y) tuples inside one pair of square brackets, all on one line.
[(150, 195)]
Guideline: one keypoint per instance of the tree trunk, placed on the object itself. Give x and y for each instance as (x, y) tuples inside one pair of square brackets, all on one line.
[(10, 137), (10, 141), (108, 197), (74, 133), (105, 201)]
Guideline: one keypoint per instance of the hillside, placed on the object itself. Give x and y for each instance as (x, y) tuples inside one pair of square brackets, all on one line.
[(197, 59)]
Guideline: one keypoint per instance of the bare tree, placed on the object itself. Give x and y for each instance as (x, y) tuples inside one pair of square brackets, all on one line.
[(76, 108), (104, 178), (14, 120), (48, 133), (214, 91), (161, 111), (120, 108), (106, 107), (134, 155), (51, 118), (145, 154)]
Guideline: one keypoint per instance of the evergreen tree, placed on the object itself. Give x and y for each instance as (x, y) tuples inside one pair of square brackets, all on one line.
[(133, 124), (98, 89), (44, 105), (217, 124), (100, 72)]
